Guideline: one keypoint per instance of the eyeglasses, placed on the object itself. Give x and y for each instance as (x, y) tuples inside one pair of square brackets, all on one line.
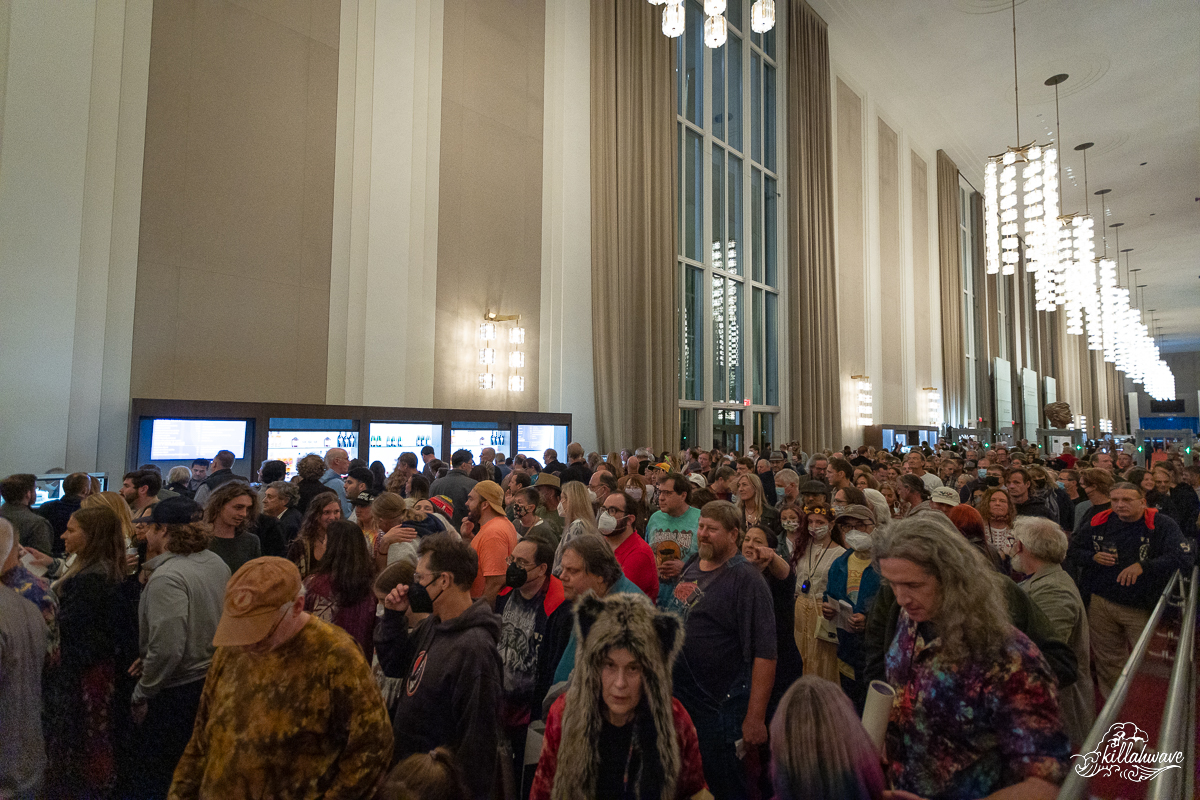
[(859, 525), (519, 562)]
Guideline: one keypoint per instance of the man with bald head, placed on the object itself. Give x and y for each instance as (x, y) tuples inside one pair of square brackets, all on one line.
[(337, 464)]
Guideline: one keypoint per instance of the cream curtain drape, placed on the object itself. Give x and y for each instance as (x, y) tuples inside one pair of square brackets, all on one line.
[(814, 383), (954, 358), (635, 330)]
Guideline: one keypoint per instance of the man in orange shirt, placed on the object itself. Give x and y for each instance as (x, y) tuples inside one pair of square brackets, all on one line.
[(494, 541)]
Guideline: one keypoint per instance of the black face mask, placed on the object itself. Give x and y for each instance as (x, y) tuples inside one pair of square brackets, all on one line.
[(419, 599), (516, 576)]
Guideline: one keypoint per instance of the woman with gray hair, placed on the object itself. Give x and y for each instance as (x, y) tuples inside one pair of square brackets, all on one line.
[(977, 706), (177, 481), (1039, 551)]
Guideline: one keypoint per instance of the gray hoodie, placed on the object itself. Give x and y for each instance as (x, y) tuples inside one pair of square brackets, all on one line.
[(177, 618)]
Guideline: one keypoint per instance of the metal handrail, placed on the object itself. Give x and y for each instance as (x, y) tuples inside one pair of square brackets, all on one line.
[(1180, 695), (1075, 785)]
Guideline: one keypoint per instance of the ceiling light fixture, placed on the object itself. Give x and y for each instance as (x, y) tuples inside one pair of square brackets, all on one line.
[(673, 18), (1085, 267), (716, 26), (1059, 232), (716, 31), (1009, 196), (762, 16)]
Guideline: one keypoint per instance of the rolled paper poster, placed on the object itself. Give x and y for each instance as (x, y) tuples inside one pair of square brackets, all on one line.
[(877, 711)]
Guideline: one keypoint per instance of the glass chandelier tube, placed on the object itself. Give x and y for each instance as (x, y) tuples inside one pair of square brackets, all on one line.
[(716, 31), (991, 218), (762, 16), (673, 17)]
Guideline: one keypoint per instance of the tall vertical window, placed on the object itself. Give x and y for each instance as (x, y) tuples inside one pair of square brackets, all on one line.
[(729, 247), (971, 345)]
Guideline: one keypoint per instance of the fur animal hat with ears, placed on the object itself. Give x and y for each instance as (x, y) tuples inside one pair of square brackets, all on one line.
[(654, 638)]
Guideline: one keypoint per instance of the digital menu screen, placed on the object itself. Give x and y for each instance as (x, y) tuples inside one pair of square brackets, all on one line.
[(478, 439), (390, 439), (532, 440), (183, 439), (291, 446)]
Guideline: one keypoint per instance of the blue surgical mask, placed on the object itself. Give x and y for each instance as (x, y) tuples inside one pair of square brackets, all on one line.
[(982, 471), (1061, 485)]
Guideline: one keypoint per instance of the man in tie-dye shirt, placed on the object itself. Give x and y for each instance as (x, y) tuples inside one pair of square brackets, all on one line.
[(290, 710), (977, 706)]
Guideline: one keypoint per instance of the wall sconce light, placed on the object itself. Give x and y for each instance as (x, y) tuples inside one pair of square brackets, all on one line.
[(487, 353), (865, 409), (934, 402)]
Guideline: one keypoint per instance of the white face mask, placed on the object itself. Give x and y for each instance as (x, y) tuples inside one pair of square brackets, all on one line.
[(635, 493), (819, 532), (858, 540), (790, 525), (607, 523), (591, 497), (562, 510)]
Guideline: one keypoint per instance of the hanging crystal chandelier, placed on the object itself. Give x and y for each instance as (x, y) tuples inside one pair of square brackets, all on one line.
[(1146, 363), (762, 16), (1021, 186), (716, 30), (1109, 309), (673, 17), (716, 27)]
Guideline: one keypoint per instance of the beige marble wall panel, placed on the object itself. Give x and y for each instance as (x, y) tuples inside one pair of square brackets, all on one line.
[(889, 392), (922, 302), (490, 203), (320, 140), (237, 201)]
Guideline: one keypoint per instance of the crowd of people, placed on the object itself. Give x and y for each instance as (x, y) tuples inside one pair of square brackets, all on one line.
[(630, 625)]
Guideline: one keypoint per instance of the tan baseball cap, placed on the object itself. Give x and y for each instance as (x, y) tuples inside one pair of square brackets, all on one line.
[(944, 495), (491, 493), (253, 598)]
